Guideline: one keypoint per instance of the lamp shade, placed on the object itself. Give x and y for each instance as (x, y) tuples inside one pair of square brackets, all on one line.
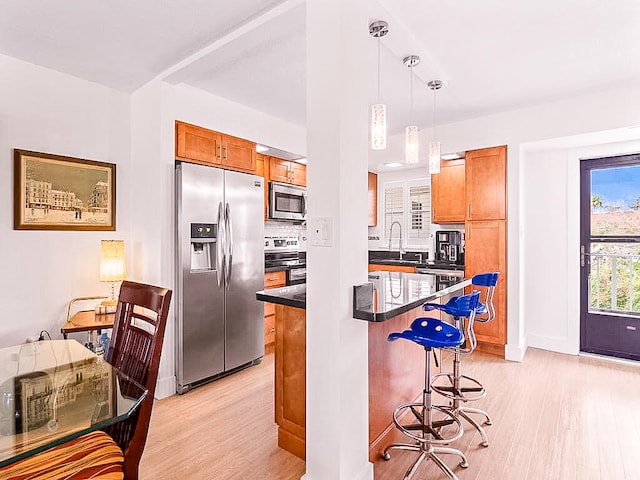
[(379, 126), (434, 157), (112, 265), (411, 144)]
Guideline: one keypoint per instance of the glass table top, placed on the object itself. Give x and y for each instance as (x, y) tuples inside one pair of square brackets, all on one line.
[(56, 390)]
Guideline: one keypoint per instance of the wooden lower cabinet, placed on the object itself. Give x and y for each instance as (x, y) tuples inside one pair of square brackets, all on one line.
[(396, 375), (485, 251), (372, 193), (291, 378), (271, 280), (392, 268)]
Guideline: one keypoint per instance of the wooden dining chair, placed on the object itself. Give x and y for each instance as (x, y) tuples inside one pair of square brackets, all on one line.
[(135, 348)]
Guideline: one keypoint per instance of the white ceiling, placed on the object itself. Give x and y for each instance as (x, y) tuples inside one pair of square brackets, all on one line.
[(493, 55)]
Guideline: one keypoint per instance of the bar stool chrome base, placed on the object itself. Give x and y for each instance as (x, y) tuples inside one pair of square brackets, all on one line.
[(428, 452), (429, 438), (461, 388)]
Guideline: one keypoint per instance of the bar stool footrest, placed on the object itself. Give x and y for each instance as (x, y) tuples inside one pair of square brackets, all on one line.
[(433, 433), (468, 390)]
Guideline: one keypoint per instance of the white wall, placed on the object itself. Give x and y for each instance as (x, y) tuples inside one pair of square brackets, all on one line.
[(551, 239), (580, 125), (46, 111)]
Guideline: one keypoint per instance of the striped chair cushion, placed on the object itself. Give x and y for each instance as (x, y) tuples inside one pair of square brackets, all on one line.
[(92, 456)]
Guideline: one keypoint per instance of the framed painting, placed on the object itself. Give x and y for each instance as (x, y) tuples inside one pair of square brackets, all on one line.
[(53, 192)]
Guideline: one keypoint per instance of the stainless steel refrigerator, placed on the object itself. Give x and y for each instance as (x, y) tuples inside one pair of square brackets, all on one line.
[(219, 269)]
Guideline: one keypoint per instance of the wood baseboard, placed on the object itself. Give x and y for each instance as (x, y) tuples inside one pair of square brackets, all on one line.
[(492, 348), (291, 443)]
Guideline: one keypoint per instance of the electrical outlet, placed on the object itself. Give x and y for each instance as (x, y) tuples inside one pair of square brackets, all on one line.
[(31, 339)]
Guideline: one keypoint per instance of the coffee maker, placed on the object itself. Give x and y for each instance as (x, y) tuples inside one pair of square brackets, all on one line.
[(449, 247)]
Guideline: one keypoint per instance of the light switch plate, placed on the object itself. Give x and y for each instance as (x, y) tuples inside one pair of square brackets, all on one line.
[(321, 231)]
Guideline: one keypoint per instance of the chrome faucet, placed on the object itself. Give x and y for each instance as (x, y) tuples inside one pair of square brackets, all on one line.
[(400, 240)]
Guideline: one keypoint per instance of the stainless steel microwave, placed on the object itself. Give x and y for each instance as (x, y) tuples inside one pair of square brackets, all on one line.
[(287, 202)]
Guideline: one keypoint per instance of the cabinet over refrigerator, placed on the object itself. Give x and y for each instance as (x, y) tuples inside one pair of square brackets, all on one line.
[(219, 267)]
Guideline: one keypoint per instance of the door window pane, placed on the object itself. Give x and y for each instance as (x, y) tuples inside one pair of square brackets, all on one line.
[(614, 280), (615, 201)]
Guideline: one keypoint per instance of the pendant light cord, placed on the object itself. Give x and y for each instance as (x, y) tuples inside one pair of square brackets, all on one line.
[(411, 76), (378, 69), (434, 114)]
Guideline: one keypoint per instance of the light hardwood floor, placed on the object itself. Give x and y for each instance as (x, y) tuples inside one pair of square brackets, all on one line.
[(555, 417)]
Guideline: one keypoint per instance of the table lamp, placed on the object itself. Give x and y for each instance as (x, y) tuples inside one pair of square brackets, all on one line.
[(112, 266)]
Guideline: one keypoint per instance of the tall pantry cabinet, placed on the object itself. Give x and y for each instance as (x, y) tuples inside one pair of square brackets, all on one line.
[(485, 234)]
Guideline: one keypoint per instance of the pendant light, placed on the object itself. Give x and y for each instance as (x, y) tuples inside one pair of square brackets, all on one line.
[(434, 145), (377, 30), (411, 132)]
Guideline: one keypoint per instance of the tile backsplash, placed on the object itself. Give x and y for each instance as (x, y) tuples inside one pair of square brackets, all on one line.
[(287, 229)]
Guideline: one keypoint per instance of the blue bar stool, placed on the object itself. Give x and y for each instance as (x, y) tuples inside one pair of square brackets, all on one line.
[(429, 434), (460, 388)]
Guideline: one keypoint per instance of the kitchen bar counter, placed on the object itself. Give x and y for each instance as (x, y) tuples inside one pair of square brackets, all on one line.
[(389, 294), (292, 296), (391, 301), (385, 296)]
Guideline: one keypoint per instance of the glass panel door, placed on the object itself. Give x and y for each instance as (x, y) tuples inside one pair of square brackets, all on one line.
[(610, 256)]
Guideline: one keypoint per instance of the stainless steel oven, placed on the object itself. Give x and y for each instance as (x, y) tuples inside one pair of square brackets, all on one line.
[(281, 253), (287, 202), (297, 275)]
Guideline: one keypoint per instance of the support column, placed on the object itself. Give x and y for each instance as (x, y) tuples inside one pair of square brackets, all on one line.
[(337, 421)]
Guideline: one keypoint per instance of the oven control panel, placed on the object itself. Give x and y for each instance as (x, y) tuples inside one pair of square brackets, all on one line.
[(276, 244)]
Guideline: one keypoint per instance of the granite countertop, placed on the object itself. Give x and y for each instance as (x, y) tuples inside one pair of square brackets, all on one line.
[(409, 259), (292, 296), (396, 293)]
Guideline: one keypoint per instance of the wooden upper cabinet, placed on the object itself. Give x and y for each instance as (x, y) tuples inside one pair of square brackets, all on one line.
[(448, 203), (197, 144), (298, 174), (238, 153), (201, 145), (486, 183), (261, 160), (286, 171), (373, 199)]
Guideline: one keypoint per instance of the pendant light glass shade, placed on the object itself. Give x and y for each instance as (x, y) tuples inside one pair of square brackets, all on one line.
[(434, 157), (377, 30), (379, 126), (411, 145)]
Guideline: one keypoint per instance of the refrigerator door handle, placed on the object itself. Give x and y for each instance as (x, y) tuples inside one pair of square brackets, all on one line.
[(229, 242), (219, 246)]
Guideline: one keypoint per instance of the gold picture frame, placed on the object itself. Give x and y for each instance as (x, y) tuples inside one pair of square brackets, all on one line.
[(54, 192)]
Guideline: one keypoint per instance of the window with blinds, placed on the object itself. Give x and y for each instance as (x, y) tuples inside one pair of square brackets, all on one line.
[(393, 208), (419, 212), (408, 202)]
